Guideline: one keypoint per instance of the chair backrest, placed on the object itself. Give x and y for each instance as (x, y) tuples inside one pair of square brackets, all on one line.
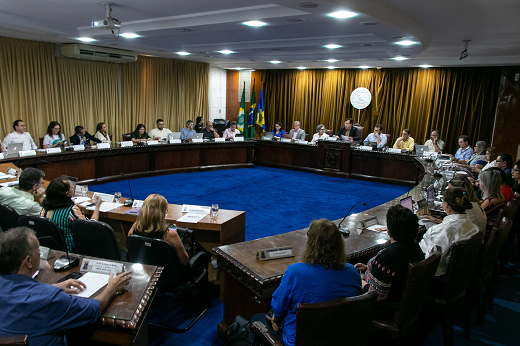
[(344, 321), (8, 217), (360, 130), (511, 209), (96, 239), (463, 258), (307, 136), (329, 133), (496, 239), (419, 278), (127, 137), (156, 252), (388, 136), (44, 228), (287, 136)]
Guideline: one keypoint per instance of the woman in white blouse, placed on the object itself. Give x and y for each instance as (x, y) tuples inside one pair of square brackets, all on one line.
[(454, 227), (320, 133), (54, 138), (491, 157), (101, 133)]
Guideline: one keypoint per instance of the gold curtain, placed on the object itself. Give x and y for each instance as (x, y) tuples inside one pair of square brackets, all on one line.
[(27, 85), (88, 94), (169, 89), (453, 100)]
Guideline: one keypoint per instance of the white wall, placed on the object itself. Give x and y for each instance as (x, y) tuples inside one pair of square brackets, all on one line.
[(217, 93)]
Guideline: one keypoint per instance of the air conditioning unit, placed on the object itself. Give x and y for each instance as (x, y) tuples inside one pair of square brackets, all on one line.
[(84, 51)]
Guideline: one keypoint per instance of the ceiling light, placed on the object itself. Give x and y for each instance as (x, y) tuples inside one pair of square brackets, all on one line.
[(226, 52), (342, 14), (239, 68), (399, 58), (331, 60), (425, 66), (332, 46), (275, 62), (129, 35), (405, 43), (301, 68), (331, 67), (254, 23), (183, 53), (364, 67), (85, 39)]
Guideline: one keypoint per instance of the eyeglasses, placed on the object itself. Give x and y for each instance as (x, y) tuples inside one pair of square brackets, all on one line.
[(500, 160), (515, 170)]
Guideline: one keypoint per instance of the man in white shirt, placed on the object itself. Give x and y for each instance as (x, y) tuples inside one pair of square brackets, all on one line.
[(159, 132), (435, 143), (22, 199), (19, 136), (232, 131)]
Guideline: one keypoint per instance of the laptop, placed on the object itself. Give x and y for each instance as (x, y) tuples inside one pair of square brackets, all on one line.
[(14, 148), (430, 195), (421, 149), (407, 202), (269, 135), (198, 136), (174, 135)]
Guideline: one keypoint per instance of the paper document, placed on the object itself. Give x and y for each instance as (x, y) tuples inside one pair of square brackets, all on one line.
[(94, 282), (377, 228), (6, 176), (11, 183), (79, 200), (191, 217), (106, 206)]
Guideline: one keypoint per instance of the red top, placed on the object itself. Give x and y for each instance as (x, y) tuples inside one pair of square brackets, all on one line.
[(508, 193)]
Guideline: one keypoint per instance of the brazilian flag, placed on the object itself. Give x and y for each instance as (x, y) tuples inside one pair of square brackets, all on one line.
[(260, 119), (251, 118), (242, 126)]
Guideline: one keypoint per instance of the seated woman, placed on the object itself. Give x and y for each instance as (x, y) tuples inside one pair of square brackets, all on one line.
[(385, 272), (491, 159), (199, 124), (515, 173), (151, 223), (101, 133), (492, 199), (54, 138), (454, 227), (478, 159), (278, 131), (507, 192), (59, 207), (322, 276), (320, 133), (140, 135)]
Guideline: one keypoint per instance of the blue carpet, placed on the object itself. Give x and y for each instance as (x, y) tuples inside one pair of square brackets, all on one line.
[(275, 200)]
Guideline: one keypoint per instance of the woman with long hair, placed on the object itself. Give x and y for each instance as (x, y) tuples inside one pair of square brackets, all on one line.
[(151, 222), (278, 131), (54, 138), (101, 133), (492, 199), (140, 135), (491, 158)]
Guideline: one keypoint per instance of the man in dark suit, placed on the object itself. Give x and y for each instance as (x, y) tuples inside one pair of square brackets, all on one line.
[(82, 137), (348, 130)]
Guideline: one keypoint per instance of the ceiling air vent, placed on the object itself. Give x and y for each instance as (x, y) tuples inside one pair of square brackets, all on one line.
[(84, 51), (309, 5)]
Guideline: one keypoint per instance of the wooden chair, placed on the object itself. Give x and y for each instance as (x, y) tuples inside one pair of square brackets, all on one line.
[(388, 137), (342, 321), (13, 340), (329, 133), (360, 130), (418, 280), (127, 137), (448, 292)]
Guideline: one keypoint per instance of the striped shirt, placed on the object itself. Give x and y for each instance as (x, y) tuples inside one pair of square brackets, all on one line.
[(63, 217)]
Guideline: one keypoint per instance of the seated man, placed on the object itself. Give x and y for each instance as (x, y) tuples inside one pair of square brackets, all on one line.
[(22, 199), (209, 132), (434, 143), (159, 132), (297, 133), (188, 132), (19, 136), (82, 137), (43, 312), (232, 131), (377, 136), (465, 151), (405, 142), (505, 163), (349, 130)]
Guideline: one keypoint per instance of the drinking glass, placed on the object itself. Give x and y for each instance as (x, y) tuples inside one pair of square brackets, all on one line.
[(214, 210), (117, 196)]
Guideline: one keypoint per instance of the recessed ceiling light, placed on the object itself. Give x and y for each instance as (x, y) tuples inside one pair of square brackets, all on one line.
[(405, 43), (331, 67), (239, 68), (425, 66), (254, 23), (364, 67), (275, 62), (331, 60), (301, 68), (183, 53), (332, 46), (129, 35), (399, 58), (342, 14), (226, 52), (85, 39)]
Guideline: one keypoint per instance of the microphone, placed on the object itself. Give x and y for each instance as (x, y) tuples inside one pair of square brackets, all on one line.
[(129, 201), (344, 229), (65, 262)]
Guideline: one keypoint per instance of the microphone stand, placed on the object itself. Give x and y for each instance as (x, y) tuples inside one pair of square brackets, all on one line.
[(129, 201), (343, 228)]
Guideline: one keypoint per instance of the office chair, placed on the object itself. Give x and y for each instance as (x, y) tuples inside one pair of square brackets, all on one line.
[(45, 228), (8, 217), (96, 239)]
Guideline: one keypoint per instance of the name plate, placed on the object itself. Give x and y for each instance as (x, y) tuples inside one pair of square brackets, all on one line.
[(302, 141), (220, 139), (53, 150), (101, 267), (105, 197), (365, 147), (127, 144), (198, 209), (267, 138), (197, 140), (367, 222), (46, 253), (394, 151), (175, 141), (274, 253), (78, 147), (1, 156), (333, 139), (137, 203), (24, 153), (152, 142), (238, 139), (286, 140), (103, 146)]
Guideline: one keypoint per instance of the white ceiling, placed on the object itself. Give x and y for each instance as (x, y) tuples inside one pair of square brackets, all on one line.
[(439, 28)]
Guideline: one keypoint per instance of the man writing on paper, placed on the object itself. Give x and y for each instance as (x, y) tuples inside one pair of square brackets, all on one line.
[(43, 312)]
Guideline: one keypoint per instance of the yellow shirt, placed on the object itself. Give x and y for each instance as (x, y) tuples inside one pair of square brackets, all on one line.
[(408, 144)]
